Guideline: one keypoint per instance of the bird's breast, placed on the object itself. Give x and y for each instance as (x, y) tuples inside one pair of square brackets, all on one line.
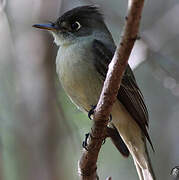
[(77, 73)]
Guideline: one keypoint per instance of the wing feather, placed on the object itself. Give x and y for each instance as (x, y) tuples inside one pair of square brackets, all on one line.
[(129, 93)]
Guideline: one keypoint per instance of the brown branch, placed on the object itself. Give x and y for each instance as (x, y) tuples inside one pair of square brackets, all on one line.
[(87, 163)]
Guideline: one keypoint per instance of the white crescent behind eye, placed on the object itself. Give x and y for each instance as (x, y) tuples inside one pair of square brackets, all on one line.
[(76, 25), (79, 25)]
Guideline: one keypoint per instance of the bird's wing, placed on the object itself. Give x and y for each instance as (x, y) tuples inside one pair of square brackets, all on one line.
[(129, 93)]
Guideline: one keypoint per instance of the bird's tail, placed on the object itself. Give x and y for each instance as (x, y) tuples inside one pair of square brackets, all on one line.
[(135, 141), (138, 149), (144, 173), (150, 170)]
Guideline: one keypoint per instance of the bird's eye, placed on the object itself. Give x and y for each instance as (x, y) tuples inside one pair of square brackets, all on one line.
[(76, 26)]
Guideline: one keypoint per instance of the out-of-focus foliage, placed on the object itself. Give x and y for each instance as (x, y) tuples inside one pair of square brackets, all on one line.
[(41, 131)]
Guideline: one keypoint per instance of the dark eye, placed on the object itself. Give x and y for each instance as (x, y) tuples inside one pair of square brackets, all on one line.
[(76, 26)]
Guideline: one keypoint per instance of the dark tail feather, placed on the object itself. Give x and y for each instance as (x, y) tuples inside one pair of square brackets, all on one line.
[(117, 141)]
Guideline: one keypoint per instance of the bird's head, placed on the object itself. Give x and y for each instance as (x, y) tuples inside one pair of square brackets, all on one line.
[(76, 24)]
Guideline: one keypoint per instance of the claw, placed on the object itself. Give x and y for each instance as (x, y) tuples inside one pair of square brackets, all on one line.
[(104, 141), (91, 111), (85, 142), (110, 118)]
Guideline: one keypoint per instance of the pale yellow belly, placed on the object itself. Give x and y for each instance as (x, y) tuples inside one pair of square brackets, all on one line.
[(83, 90)]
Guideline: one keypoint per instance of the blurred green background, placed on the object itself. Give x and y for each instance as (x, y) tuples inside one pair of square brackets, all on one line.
[(41, 131)]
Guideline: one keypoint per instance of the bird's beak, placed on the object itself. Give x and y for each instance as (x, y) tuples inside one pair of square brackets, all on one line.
[(49, 26)]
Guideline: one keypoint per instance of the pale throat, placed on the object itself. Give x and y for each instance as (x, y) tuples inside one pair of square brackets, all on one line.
[(59, 39)]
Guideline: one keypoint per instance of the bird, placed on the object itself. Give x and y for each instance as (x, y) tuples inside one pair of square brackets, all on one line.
[(85, 49)]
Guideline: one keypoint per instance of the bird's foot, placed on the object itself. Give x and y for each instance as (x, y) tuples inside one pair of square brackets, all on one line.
[(85, 142), (91, 111)]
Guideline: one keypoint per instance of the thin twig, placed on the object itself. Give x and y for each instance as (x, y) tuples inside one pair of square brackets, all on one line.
[(87, 163)]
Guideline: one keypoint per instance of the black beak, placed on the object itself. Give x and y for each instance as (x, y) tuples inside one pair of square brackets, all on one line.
[(49, 26)]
